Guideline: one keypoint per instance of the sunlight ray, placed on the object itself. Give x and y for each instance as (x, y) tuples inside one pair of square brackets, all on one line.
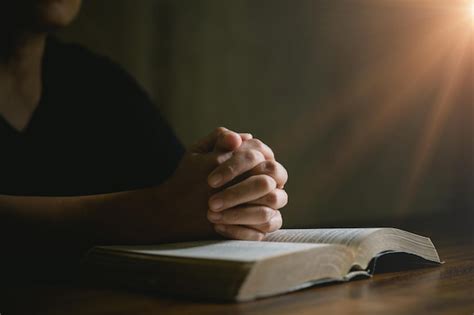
[(435, 122), (317, 122), (372, 129)]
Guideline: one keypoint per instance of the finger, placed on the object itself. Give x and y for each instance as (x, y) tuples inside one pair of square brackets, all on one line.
[(238, 232), (258, 145), (273, 225), (250, 189), (220, 158), (273, 169), (242, 215), (246, 136), (241, 162), (275, 199), (208, 143), (228, 141)]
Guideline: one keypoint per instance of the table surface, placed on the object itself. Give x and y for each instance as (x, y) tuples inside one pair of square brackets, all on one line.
[(446, 289)]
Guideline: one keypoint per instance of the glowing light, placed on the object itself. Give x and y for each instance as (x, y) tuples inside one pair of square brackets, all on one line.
[(433, 54)]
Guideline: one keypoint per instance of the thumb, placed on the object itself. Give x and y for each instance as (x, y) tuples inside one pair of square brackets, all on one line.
[(227, 141), (230, 141), (221, 137)]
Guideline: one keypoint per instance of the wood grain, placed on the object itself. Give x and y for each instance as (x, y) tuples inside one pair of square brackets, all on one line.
[(448, 289)]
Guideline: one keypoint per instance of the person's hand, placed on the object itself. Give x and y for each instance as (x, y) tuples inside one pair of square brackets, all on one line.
[(181, 203), (173, 211), (183, 198), (250, 191)]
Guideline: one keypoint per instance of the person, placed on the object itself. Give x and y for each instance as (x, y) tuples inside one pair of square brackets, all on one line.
[(87, 159)]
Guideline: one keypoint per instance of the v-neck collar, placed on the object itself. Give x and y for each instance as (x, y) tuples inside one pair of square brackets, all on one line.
[(5, 124)]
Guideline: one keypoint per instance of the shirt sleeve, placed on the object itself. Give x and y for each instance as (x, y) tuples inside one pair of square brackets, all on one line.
[(140, 148), (148, 147)]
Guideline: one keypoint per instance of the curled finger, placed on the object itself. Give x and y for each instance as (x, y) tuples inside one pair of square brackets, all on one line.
[(238, 232), (275, 199)]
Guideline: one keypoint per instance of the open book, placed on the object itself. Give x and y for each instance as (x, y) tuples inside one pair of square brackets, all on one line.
[(285, 261)]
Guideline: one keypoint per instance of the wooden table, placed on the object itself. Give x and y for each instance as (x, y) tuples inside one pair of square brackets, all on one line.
[(448, 289)]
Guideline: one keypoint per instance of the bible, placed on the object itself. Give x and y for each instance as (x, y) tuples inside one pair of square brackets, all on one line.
[(285, 261)]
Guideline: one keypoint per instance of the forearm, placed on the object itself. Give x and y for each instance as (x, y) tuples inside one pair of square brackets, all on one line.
[(40, 235), (147, 216), (39, 219), (133, 217)]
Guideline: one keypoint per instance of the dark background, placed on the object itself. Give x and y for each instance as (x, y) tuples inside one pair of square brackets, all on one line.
[(368, 103)]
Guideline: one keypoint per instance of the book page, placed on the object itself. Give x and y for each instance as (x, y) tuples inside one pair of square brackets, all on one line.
[(367, 243), (243, 251), (348, 237)]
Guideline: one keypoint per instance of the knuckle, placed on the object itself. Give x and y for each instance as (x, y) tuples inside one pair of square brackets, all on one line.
[(254, 235), (272, 198), (245, 234), (266, 214), (265, 182), (257, 143), (276, 226), (266, 227), (250, 156), (271, 167), (262, 147), (279, 220), (272, 226), (260, 169)]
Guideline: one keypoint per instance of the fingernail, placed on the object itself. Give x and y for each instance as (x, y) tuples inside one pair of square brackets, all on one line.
[(215, 180), (215, 216), (216, 204), (220, 228)]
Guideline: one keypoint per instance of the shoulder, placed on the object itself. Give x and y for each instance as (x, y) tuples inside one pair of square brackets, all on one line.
[(108, 113), (97, 89), (80, 68)]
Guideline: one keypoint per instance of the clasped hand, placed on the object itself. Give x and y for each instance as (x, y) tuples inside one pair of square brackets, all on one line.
[(246, 184)]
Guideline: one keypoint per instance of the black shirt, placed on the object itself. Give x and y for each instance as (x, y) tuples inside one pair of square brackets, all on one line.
[(94, 131)]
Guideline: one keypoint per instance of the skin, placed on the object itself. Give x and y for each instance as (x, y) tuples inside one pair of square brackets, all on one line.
[(23, 28), (227, 183)]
